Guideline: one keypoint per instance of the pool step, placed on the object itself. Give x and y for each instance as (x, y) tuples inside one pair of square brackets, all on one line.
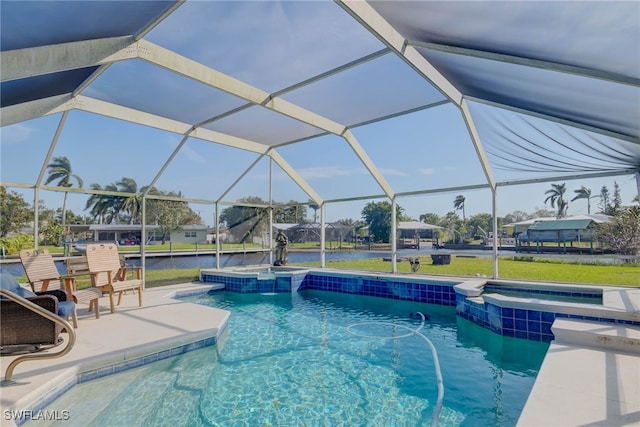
[(607, 336), (216, 286)]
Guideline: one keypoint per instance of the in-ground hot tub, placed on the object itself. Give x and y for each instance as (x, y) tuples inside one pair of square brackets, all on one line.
[(259, 279), (528, 309)]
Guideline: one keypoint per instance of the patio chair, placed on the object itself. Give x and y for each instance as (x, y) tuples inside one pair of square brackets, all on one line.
[(21, 327), (43, 275), (108, 273)]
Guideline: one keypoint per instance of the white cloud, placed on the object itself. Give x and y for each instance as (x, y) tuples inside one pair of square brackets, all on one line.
[(426, 171), (322, 172), (192, 155), (393, 172), (15, 134)]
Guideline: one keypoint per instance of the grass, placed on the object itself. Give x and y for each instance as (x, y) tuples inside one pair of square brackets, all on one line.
[(155, 278), (544, 270), (531, 268)]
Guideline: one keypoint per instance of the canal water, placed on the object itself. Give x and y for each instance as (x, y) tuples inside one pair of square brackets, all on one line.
[(209, 261)]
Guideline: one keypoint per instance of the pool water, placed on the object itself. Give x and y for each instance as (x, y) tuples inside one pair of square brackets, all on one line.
[(290, 360), (591, 297)]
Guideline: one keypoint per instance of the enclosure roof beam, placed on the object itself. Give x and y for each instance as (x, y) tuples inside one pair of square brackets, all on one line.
[(17, 113), (578, 125), (36, 61), (368, 163), (242, 175), (52, 147), (477, 144), (378, 26), (529, 62), (179, 64), (119, 112), (295, 176)]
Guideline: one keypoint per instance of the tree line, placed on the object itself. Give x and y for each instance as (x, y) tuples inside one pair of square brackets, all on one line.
[(244, 220), (168, 215), (609, 203)]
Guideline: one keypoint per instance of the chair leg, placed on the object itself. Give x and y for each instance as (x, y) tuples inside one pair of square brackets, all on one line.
[(96, 307), (113, 308), (74, 318), (140, 296), (120, 297)]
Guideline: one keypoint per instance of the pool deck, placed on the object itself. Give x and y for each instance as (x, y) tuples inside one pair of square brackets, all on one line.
[(131, 333), (584, 385), (589, 377)]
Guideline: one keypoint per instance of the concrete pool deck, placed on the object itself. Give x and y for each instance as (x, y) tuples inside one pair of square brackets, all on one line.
[(131, 333), (590, 375)]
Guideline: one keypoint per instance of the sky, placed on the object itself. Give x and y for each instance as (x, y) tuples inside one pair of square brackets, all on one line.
[(289, 42)]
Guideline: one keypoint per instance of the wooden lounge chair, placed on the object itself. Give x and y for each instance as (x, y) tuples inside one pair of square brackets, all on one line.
[(43, 275), (109, 275)]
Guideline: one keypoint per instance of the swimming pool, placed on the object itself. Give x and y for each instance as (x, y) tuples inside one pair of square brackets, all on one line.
[(289, 359)]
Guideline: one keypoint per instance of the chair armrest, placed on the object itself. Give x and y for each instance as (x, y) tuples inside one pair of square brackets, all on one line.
[(136, 272), (60, 294), (48, 302), (102, 278)]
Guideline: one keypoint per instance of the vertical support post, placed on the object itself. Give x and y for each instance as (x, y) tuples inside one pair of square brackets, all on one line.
[(322, 237), (216, 227), (43, 169), (36, 216), (394, 249), (494, 213), (270, 210), (143, 242)]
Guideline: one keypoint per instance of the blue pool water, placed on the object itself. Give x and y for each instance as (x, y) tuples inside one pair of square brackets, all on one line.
[(290, 360)]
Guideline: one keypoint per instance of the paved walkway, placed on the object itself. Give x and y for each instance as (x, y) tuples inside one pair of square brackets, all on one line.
[(130, 333)]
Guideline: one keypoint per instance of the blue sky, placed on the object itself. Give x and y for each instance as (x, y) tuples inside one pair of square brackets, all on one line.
[(289, 42), (327, 165)]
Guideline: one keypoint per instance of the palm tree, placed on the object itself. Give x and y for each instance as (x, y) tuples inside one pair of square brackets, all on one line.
[(313, 205), (584, 193), (103, 207), (458, 204), (60, 170), (556, 197), (429, 218), (131, 204)]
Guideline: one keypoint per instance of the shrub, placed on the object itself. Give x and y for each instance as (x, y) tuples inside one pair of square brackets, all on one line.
[(13, 245), (622, 234)]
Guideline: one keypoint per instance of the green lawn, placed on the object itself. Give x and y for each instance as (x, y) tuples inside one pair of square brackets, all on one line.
[(171, 276), (542, 270)]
